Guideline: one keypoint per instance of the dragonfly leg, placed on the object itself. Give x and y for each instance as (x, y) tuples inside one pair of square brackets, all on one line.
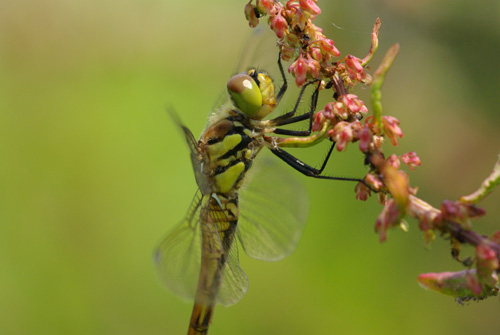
[(283, 87), (308, 170), (289, 117)]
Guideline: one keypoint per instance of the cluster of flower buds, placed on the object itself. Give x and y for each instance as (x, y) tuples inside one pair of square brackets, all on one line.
[(312, 58), (299, 39)]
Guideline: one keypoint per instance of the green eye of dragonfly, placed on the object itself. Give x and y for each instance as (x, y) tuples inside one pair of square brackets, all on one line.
[(245, 94)]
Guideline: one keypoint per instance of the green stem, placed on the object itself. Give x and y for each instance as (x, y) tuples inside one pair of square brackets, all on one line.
[(378, 80), (487, 186)]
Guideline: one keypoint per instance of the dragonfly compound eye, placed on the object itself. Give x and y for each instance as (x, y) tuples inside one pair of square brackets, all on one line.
[(245, 94)]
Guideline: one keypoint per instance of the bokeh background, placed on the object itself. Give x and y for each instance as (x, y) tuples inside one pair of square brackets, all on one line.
[(93, 171)]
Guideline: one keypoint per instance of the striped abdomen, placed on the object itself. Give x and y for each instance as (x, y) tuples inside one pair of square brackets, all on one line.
[(219, 221)]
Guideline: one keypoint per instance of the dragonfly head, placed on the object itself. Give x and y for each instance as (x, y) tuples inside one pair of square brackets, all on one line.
[(252, 93)]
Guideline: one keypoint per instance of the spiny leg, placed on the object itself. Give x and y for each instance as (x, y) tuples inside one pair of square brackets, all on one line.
[(308, 170), (289, 117), (283, 87)]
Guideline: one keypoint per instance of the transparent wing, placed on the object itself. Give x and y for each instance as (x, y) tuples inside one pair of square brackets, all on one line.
[(234, 283), (178, 259), (273, 211), (178, 255)]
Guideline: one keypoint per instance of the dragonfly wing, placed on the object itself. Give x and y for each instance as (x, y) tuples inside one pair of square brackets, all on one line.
[(177, 257), (274, 207), (234, 281)]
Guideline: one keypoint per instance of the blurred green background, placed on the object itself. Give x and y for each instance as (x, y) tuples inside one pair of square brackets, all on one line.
[(94, 172)]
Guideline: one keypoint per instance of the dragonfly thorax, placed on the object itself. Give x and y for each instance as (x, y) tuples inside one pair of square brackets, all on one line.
[(228, 148)]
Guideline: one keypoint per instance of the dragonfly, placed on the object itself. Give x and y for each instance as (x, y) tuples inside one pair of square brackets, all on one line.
[(198, 258)]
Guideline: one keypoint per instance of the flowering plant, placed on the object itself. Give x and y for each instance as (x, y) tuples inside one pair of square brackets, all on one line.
[(314, 57)]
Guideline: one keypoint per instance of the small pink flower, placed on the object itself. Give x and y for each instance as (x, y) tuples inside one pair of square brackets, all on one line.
[(265, 6), (411, 159), (354, 104), (319, 119), (313, 67), (299, 69), (393, 160), (374, 182), (391, 129), (354, 64), (388, 218), (341, 134), (327, 47), (377, 141), (310, 6), (362, 192), (328, 110), (344, 138), (253, 21), (365, 139), (279, 25)]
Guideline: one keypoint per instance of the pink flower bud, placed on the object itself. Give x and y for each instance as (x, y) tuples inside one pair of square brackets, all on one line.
[(279, 25), (354, 64), (319, 119), (391, 129), (411, 159), (354, 104), (310, 6), (299, 69), (329, 110), (253, 21), (265, 6), (393, 160), (389, 217), (362, 192), (327, 47), (365, 139), (374, 182), (341, 134), (313, 67)]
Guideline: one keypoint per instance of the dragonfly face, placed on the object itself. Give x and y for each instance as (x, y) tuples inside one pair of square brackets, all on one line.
[(252, 93)]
